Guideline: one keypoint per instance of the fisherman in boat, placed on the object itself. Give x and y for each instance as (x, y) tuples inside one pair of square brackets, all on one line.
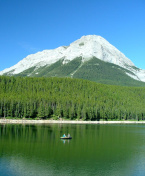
[(64, 135), (68, 135)]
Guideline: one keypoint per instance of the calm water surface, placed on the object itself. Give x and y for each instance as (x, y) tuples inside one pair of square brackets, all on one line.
[(99, 150)]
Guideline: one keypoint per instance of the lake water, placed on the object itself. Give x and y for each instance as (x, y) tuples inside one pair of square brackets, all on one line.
[(95, 149)]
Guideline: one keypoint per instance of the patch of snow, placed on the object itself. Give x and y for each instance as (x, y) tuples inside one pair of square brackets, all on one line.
[(140, 74), (133, 76)]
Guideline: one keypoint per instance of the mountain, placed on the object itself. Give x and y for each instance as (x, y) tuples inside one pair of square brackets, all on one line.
[(90, 57)]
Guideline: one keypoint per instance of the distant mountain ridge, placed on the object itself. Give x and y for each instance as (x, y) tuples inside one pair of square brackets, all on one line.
[(70, 61)]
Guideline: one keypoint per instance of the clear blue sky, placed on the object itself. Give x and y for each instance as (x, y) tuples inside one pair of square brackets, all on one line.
[(29, 26)]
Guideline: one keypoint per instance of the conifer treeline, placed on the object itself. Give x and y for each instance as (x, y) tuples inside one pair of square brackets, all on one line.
[(44, 98)]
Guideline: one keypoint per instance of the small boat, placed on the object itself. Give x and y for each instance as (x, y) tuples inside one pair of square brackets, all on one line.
[(66, 137)]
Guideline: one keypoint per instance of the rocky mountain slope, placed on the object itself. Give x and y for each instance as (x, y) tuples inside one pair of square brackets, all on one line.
[(85, 56)]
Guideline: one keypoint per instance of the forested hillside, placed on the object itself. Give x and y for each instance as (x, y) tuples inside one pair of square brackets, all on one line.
[(25, 97), (93, 70)]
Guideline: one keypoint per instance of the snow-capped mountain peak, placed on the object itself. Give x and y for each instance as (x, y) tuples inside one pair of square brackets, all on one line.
[(86, 47), (93, 45)]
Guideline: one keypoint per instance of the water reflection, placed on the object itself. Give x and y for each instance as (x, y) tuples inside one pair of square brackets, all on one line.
[(65, 140), (94, 150)]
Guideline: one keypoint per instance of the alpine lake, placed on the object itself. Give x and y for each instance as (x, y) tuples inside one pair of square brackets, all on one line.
[(95, 149)]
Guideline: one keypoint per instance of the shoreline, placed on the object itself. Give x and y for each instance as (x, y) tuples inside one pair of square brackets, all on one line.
[(13, 121)]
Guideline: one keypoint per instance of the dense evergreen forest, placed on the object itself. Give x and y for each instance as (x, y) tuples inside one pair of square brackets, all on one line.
[(44, 98)]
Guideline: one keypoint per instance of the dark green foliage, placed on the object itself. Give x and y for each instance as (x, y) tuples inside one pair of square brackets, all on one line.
[(43, 71), (81, 44), (94, 70), (65, 70), (27, 72), (26, 97), (104, 72), (58, 69)]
